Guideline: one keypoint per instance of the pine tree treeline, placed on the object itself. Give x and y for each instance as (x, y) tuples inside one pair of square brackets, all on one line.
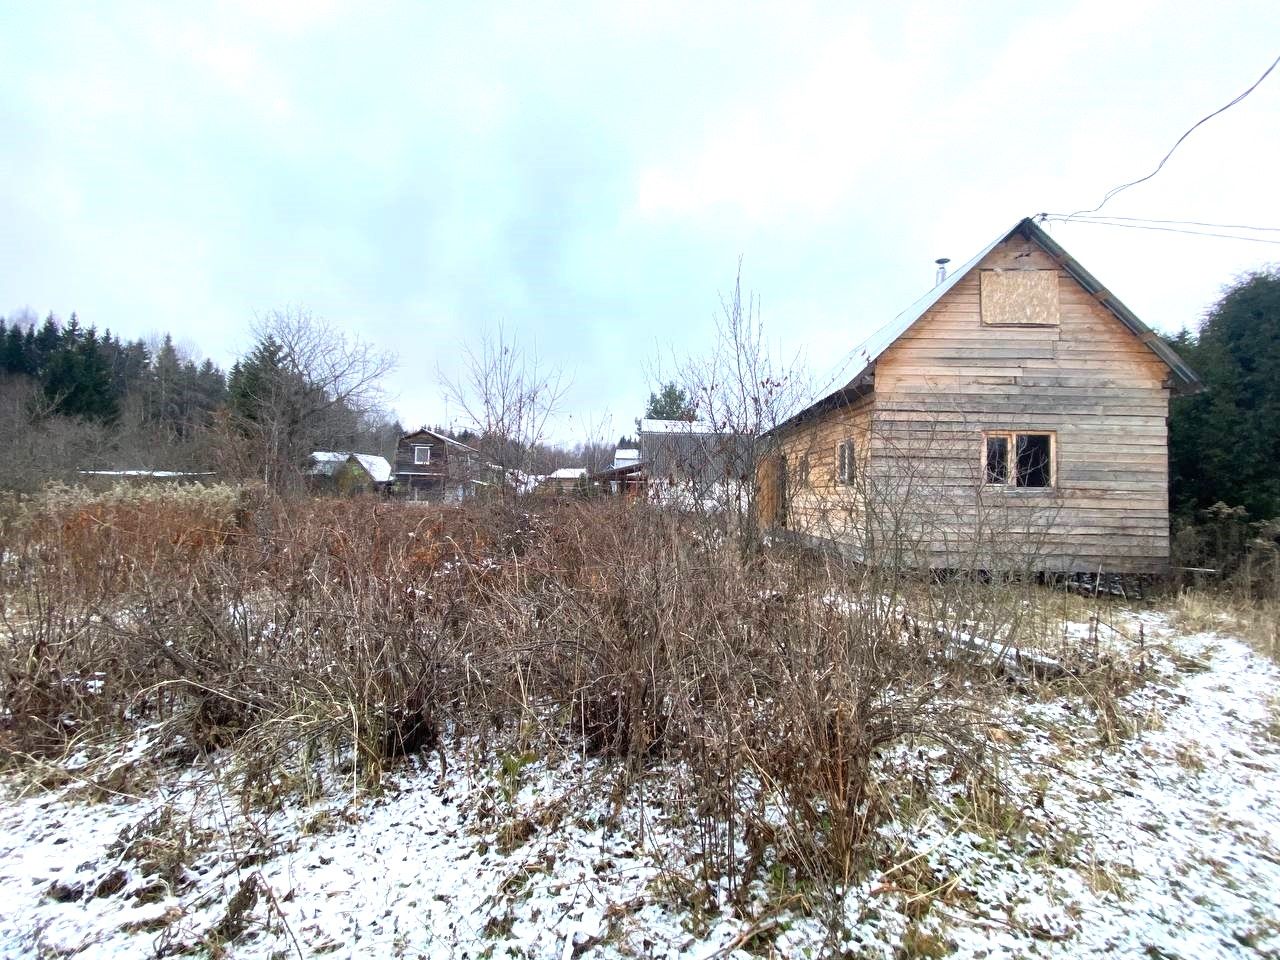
[(1224, 442), (84, 375), (72, 400)]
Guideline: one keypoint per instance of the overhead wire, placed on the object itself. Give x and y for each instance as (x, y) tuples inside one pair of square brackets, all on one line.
[(1052, 218), (1133, 183), (1183, 223)]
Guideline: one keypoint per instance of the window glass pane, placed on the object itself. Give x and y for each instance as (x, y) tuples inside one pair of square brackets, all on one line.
[(1034, 469), (997, 459)]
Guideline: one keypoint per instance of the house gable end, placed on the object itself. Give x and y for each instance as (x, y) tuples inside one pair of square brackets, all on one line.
[(1027, 238), (1079, 342)]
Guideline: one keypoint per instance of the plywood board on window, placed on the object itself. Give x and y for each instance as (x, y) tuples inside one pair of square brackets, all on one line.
[(1019, 297)]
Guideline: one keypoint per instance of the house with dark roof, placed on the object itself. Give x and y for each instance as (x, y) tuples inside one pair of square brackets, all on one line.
[(1013, 418), (432, 466)]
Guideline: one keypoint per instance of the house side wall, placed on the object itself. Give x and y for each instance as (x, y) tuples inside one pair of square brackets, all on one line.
[(405, 466), (1088, 380), (703, 459), (816, 504)]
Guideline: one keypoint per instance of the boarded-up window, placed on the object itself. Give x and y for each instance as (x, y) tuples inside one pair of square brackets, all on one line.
[(1018, 459), (845, 462), (1019, 297), (783, 494)]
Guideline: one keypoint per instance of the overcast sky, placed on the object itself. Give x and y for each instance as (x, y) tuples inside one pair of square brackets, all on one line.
[(588, 175)]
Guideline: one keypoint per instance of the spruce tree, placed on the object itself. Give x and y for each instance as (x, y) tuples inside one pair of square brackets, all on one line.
[(1224, 443), (671, 402)]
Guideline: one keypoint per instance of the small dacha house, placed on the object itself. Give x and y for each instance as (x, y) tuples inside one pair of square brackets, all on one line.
[(432, 466), (1014, 418), (345, 473)]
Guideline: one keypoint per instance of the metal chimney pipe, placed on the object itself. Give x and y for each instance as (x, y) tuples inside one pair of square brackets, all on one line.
[(942, 269)]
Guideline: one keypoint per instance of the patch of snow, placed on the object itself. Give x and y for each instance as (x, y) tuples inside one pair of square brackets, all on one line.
[(1162, 843)]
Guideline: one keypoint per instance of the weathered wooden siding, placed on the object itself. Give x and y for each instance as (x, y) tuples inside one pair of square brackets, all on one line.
[(817, 504), (1087, 379), (405, 464)]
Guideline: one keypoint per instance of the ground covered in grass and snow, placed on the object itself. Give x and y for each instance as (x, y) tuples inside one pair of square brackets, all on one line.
[(1145, 827)]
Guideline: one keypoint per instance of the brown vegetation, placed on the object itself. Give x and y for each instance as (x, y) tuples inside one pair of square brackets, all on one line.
[(323, 640)]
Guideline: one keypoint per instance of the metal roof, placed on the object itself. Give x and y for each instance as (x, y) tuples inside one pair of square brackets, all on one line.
[(325, 463), (870, 350), (678, 426)]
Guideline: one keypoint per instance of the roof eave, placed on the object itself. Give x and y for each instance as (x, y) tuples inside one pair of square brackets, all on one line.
[(1184, 379), (861, 386)]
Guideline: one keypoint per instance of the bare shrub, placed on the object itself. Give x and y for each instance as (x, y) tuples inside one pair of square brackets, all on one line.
[(316, 643)]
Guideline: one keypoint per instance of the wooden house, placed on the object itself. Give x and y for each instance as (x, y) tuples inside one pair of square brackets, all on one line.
[(1014, 418), (566, 480), (340, 472), (626, 476), (432, 466)]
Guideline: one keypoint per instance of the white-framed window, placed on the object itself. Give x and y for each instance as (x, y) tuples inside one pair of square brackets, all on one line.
[(846, 462), (421, 454), (1019, 458)]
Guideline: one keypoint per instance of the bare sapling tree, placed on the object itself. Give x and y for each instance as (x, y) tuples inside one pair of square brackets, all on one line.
[(305, 386), (509, 397), (595, 449), (738, 393)]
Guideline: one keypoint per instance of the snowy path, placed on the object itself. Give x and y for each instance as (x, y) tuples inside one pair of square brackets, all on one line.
[(1163, 845), (1167, 846)]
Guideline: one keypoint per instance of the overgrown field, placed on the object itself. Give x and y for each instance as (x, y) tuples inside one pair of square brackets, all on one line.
[(593, 728)]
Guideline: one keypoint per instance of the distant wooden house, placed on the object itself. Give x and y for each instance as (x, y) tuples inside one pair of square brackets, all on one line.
[(432, 466), (345, 473), (565, 480), (1013, 417), (626, 476), (627, 479)]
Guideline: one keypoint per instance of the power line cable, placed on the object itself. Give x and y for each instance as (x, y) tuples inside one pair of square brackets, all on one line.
[(1141, 226), (1133, 183), (1183, 223)]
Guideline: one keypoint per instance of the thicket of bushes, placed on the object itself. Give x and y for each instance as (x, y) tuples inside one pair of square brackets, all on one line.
[(321, 638)]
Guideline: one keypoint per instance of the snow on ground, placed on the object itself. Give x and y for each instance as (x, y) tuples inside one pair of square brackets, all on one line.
[(1165, 846), (1153, 832)]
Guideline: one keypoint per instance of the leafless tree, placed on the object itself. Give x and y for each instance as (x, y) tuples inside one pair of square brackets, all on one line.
[(741, 390), (307, 386), (36, 446), (509, 397)]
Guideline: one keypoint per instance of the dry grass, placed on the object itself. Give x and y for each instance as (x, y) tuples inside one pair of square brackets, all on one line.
[(320, 642), (1257, 621)]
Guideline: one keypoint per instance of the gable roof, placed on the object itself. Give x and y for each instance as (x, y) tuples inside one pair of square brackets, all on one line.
[(441, 437), (866, 354), (677, 426), (325, 463)]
